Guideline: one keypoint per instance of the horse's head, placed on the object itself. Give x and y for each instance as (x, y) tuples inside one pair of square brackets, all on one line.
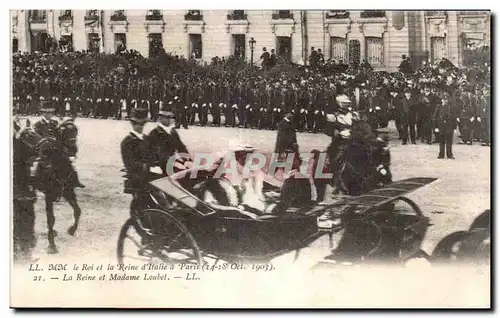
[(66, 134), (29, 140)]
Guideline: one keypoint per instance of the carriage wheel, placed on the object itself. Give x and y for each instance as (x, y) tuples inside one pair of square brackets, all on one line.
[(448, 247), (155, 236)]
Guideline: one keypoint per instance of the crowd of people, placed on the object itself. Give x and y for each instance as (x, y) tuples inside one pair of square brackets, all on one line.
[(230, 92)]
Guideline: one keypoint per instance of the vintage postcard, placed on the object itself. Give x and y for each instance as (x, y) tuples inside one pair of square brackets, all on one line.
[(250, 158)]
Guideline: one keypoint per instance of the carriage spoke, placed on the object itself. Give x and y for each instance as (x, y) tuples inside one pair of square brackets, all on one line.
[(136, 243), (175, 240)]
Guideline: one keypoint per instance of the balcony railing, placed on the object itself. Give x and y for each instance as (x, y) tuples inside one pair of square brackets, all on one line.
[(237, 16), (373, 14), (38, 19), (91, 18), (66, 17), (282, 15), (337, 14), (191, 16), (118, 17), (154, 17)]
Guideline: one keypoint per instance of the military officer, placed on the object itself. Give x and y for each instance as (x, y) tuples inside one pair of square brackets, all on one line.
[(47, 125), (444, 124)]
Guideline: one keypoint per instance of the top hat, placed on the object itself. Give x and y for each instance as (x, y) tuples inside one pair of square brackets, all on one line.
[(139, 115), (166, 111), (47, 107)]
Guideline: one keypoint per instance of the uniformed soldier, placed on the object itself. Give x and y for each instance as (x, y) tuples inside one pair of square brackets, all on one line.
[(206, 102), (217, 104), (47, 127), (267, 108), (278, 102), (156, 102), (181, 105), (245, 106), (311, 111), (231, 107), (444, 124), (338, 127), (131, 96), (319, 113)]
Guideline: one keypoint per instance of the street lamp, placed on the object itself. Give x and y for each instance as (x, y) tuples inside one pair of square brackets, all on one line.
[(252, 47)]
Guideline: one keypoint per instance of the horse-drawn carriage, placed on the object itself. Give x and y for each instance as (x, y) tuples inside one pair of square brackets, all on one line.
[(175, 225)]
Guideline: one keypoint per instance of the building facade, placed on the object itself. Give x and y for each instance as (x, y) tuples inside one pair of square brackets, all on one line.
[(380, 37)]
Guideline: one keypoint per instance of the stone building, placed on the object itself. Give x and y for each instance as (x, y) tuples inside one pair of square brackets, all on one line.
[(380, 37)]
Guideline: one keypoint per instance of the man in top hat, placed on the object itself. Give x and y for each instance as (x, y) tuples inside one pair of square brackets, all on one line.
[(164, 141), (137, 160), (427, 108), (444, 124), (265, 58), (286, 140), (408, 115)]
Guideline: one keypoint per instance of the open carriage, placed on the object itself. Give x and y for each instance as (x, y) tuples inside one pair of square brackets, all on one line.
[(177, 226)]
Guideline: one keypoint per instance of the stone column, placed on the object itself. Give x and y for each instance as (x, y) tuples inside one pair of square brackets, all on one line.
[(453, 38), (23, 32), (79, 34)]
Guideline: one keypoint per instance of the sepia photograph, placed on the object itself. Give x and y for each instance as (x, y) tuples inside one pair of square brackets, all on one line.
[(166, 158)]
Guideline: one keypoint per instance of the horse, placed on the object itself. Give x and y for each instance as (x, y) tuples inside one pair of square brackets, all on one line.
[(24, 239), (54, 175), (363, 164)]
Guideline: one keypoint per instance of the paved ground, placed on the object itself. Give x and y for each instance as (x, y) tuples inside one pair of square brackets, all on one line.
[(452, 202)]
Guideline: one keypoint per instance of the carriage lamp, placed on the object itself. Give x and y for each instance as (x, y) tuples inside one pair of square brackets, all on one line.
[(252, 47)]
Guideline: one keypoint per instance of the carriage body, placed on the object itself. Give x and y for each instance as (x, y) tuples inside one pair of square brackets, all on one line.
[(230, 232), (233, 234)]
